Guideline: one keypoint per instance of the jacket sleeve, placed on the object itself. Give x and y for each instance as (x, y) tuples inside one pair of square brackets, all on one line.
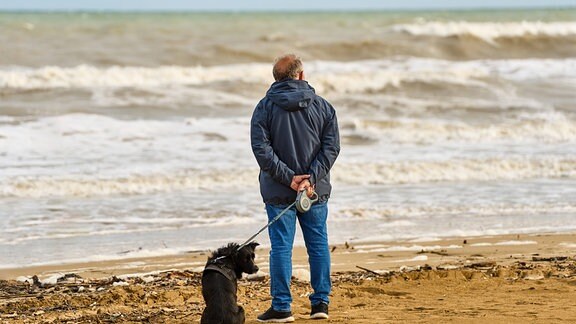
[(267, 159), (329, 149)]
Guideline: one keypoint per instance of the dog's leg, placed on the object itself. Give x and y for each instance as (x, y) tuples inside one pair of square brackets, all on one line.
[(240, 315), (204, 319)]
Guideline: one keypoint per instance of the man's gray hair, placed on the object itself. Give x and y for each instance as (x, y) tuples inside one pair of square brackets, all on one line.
[(287, 66)]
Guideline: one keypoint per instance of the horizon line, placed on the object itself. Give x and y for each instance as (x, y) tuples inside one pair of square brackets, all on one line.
[(279, 10)]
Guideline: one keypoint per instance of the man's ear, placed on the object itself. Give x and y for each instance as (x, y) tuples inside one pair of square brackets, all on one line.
[(301, 75)]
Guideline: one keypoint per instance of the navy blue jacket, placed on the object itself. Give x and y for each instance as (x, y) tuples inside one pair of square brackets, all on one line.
[(293, 131)]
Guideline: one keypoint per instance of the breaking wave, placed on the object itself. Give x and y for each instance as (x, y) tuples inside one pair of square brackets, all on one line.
[(413, 212), (340, 77), (489, 31), (86, 76), (366, 131), (455, 170), (135, 184), (345, 173)]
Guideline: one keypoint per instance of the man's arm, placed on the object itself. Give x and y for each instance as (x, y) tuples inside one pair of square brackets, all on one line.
[(262, 147), (329, 150)]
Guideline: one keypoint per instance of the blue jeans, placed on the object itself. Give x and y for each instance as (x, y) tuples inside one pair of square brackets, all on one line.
[(313, 225)]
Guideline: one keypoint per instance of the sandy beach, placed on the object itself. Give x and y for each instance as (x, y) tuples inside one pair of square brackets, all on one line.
[(512, 278)]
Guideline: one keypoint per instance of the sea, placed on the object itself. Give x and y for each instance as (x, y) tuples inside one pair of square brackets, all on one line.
[(127, 134)]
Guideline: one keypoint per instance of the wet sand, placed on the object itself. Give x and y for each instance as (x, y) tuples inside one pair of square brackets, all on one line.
[(478, 279)]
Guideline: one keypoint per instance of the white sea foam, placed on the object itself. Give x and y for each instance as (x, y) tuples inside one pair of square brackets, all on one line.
[(482, 244), (377, 75), (505, 243), (425, 239), (516, 243), (345, 173), (86, 76), (166, 96), (404, 248), (489, 30), (481, 229), (136, 184), (369, 246), (51, 235), (551, 127), (414, 212), (124, 225), (144, 253), (121, 156), (414, 259), (111, 156), (326, 76), (455, 170)]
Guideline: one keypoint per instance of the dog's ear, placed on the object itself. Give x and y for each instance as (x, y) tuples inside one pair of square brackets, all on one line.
[(253, 245)]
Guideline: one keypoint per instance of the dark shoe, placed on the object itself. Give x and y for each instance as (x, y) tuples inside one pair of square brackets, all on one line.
[(272, 316), (319, 311)]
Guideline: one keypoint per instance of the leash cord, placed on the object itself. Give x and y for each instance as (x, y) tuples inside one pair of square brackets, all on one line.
[(266, 226)]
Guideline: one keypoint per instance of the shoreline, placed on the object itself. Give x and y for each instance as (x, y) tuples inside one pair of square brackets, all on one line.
[(376, 256)]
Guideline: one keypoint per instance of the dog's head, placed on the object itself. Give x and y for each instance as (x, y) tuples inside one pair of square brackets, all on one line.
[(245, 258), (240, 260)]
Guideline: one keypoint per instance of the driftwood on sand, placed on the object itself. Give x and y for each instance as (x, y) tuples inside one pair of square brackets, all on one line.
[(360, 297)]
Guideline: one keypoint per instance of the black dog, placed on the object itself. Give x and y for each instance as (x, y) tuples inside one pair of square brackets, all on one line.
[(219, 283)]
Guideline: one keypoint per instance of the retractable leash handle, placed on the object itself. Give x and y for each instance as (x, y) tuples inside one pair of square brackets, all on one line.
[(303, 202)]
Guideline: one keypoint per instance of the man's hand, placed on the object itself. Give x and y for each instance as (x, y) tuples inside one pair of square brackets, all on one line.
[(297, 180), (306, 185)]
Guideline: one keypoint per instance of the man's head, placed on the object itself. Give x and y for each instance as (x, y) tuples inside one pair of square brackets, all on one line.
[(288, 67)]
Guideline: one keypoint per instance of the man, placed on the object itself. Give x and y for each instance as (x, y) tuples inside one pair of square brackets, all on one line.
[(295, 139)]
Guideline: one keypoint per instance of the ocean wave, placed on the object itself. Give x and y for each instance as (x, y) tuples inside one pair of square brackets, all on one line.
[(392, 214), (454, 40), (42, 230), (86, 186), (141, 253), (379, 75), (340, 77), (488, 31), (343, 37), (87, 76), (488, 169), (455, 170), (552, 127)]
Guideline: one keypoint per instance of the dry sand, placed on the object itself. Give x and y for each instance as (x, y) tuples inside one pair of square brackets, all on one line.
[(526, 278)]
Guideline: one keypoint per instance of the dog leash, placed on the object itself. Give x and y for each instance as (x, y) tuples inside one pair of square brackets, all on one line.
[(260, 231), (267, 225), (302, 203)]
